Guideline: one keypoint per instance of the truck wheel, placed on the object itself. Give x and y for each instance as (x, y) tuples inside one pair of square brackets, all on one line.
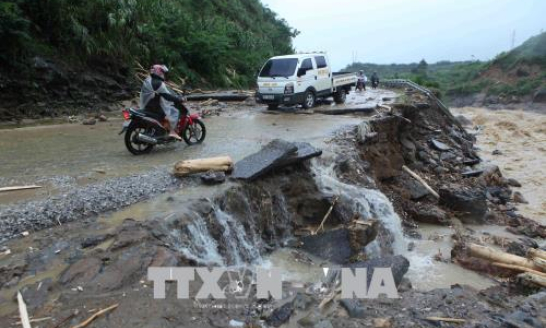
[(340, 97), (310, 100), (272, 107)]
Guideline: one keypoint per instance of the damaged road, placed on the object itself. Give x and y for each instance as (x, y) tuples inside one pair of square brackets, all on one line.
[(352, 204)]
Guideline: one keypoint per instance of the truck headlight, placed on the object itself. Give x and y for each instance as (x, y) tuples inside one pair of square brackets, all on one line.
[(289, 88)]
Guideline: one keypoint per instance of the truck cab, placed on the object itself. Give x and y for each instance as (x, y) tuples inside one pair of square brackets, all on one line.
[(300, 79)]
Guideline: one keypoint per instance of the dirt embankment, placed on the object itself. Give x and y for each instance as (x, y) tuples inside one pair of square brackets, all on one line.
[(50, 88)]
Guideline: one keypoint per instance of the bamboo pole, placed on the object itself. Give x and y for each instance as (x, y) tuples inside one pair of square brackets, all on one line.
[(518, 268), (23, 313), (536, 253), (321, 226), (15, 188), (494, 255), (533, 279)]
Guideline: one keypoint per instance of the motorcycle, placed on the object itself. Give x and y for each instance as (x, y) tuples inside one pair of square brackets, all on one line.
[(144, 130)]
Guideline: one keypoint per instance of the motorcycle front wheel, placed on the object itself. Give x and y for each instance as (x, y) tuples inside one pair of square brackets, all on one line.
[(134, 146), (195, 133)]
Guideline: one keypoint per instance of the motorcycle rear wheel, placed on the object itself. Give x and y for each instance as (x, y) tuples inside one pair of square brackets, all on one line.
[(133, 146), (195, 133)]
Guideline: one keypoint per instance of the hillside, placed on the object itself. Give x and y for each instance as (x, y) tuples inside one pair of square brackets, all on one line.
[(78, 51), (514, 76)]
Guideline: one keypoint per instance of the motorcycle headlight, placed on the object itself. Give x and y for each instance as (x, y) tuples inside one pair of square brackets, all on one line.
[(289, 88)]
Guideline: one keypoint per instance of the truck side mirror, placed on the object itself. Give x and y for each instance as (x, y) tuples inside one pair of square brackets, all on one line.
[(302, 71)]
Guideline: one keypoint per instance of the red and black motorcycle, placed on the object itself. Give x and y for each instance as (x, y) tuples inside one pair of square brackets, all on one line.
[(144, 130)]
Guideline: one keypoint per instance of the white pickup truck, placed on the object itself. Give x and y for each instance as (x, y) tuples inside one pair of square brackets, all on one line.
[(301, 79)]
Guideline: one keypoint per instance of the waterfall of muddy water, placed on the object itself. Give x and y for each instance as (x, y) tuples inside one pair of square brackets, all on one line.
[(197, 243), (369, 203)]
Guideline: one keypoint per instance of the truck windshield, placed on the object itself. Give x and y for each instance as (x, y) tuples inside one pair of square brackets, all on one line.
[(279, 67)]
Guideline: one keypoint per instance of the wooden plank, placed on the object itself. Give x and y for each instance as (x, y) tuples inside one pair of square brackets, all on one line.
[(15, 188)]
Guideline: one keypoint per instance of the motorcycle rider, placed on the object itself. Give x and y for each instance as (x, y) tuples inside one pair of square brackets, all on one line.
[(156, 98), (375, 80), (362, 79)]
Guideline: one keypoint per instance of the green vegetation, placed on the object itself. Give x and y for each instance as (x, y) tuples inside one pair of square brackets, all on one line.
[(519, 72), (208, 42)]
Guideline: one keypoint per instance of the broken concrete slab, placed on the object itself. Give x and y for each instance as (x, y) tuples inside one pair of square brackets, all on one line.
[(277, 153), (266, 159), (305, 151)]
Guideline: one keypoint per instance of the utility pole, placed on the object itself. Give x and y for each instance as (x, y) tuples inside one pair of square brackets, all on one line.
[(513, 44)]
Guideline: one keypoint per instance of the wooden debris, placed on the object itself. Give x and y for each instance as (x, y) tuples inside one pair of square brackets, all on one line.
[(452, 320), (518, 268), (215, 164), (420, 180), (25, 322), (96, 315), (532, 279), (36, 320), (321, 226), (536, 253), (15, 188), (497, 256)]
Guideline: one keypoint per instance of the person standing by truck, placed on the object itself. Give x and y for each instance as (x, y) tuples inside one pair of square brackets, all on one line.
[(362, 79)]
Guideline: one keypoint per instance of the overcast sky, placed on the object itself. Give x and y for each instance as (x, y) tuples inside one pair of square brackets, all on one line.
[(404, 31)]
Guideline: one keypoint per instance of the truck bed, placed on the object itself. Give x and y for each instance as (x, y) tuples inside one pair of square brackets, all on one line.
[(342, 78)]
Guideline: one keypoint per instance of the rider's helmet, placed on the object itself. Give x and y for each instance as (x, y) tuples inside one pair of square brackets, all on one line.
[(159, 70)]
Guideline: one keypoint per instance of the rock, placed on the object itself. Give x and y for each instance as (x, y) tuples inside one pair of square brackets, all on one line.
[(280, 315), (398, 264), (498, 195), (513, 183), (82, 271), (339, 245), (324, 324), (428, 213), (89, 121), (463, 120), (438, 145), (353, 307), (468, 204), (212, 178), (382, 322), (268, 158), (415, 189), (540, 96), (93, 241), (102, 118), (518, 198), (410, 145), (496, 152), (447, 157)]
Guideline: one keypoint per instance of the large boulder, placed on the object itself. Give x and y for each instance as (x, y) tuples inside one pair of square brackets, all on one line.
[(340, 244), (469, 205)]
